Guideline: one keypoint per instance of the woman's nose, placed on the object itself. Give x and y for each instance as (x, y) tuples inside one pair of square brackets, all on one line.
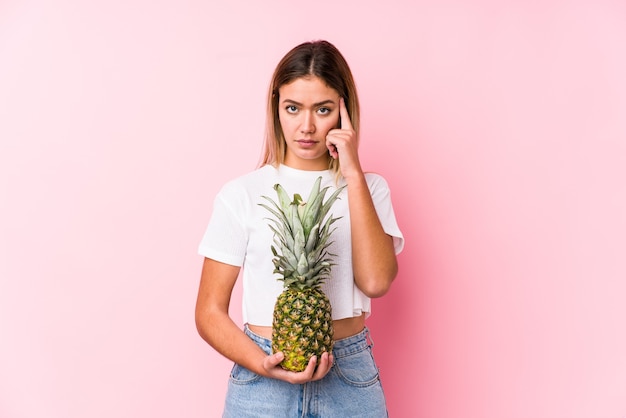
[(308, 125)]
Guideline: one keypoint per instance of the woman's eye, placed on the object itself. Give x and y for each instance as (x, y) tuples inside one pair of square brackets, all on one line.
[(291, 109), (324, 110)]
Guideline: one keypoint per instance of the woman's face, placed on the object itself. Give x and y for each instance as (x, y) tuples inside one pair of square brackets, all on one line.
[(307, 110)]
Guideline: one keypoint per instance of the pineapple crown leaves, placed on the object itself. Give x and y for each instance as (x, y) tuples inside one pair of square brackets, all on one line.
[(301, 235)]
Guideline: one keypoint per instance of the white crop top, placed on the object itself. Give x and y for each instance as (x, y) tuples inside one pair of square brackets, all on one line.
[(238, 233)]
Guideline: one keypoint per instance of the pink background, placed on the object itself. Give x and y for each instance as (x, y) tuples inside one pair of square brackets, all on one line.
[(500, 126)]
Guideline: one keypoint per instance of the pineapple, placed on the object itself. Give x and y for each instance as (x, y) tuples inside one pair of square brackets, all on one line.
[(302, 323)]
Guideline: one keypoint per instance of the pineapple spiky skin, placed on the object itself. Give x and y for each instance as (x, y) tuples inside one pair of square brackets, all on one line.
[(302, 322), (302, 327)]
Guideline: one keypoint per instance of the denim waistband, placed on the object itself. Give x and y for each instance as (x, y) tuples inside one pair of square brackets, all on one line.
[(342, 347)]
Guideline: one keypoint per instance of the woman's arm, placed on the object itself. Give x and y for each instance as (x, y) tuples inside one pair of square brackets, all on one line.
[(217, 328), (373, 254)]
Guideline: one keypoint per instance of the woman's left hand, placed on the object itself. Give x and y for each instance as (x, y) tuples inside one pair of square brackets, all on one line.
[(343, 143)]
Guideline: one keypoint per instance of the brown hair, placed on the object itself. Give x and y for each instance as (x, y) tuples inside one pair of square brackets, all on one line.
[(320, 59)]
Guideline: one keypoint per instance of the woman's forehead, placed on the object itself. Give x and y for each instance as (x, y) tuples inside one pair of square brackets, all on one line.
[(309, 87)]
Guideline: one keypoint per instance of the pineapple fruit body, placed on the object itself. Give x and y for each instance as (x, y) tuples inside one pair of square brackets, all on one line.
[(302, 327), (302, 322)]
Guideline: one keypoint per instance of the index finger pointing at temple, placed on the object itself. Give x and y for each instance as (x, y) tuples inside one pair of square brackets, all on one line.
[(346, 123)]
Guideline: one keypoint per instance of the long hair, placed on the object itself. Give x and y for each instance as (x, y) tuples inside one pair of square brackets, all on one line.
[(320, 59)]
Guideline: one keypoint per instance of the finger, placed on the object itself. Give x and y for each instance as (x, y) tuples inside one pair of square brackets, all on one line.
[(332, 149), (326, 362), (346, 123), (310, 368), (273, 360)]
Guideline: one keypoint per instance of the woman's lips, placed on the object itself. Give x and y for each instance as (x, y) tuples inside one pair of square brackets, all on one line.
[(306, 143)]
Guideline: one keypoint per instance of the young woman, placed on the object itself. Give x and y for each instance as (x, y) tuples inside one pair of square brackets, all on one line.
[(312, 131)]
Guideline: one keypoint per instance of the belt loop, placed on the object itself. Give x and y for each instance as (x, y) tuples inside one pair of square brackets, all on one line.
[(368, 337)]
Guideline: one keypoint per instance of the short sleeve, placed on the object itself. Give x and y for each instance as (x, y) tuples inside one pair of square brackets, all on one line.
[(225, 238), (381, 196)]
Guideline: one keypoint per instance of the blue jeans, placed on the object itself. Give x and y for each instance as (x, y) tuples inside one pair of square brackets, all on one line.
[(350, 389)]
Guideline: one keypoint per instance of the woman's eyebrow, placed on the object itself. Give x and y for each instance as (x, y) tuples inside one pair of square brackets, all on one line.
[(314, 104)]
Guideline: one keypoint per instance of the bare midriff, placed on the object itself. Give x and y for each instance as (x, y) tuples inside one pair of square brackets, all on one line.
[(344, 328)]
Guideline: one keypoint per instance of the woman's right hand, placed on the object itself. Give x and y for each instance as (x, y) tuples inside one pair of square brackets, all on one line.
[(271, 364), (218, 329)]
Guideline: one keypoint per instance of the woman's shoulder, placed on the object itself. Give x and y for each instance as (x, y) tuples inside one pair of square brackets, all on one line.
[(375, 180), (249, 183)]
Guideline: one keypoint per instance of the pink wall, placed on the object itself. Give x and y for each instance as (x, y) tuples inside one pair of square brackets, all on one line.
[(501, 127)]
